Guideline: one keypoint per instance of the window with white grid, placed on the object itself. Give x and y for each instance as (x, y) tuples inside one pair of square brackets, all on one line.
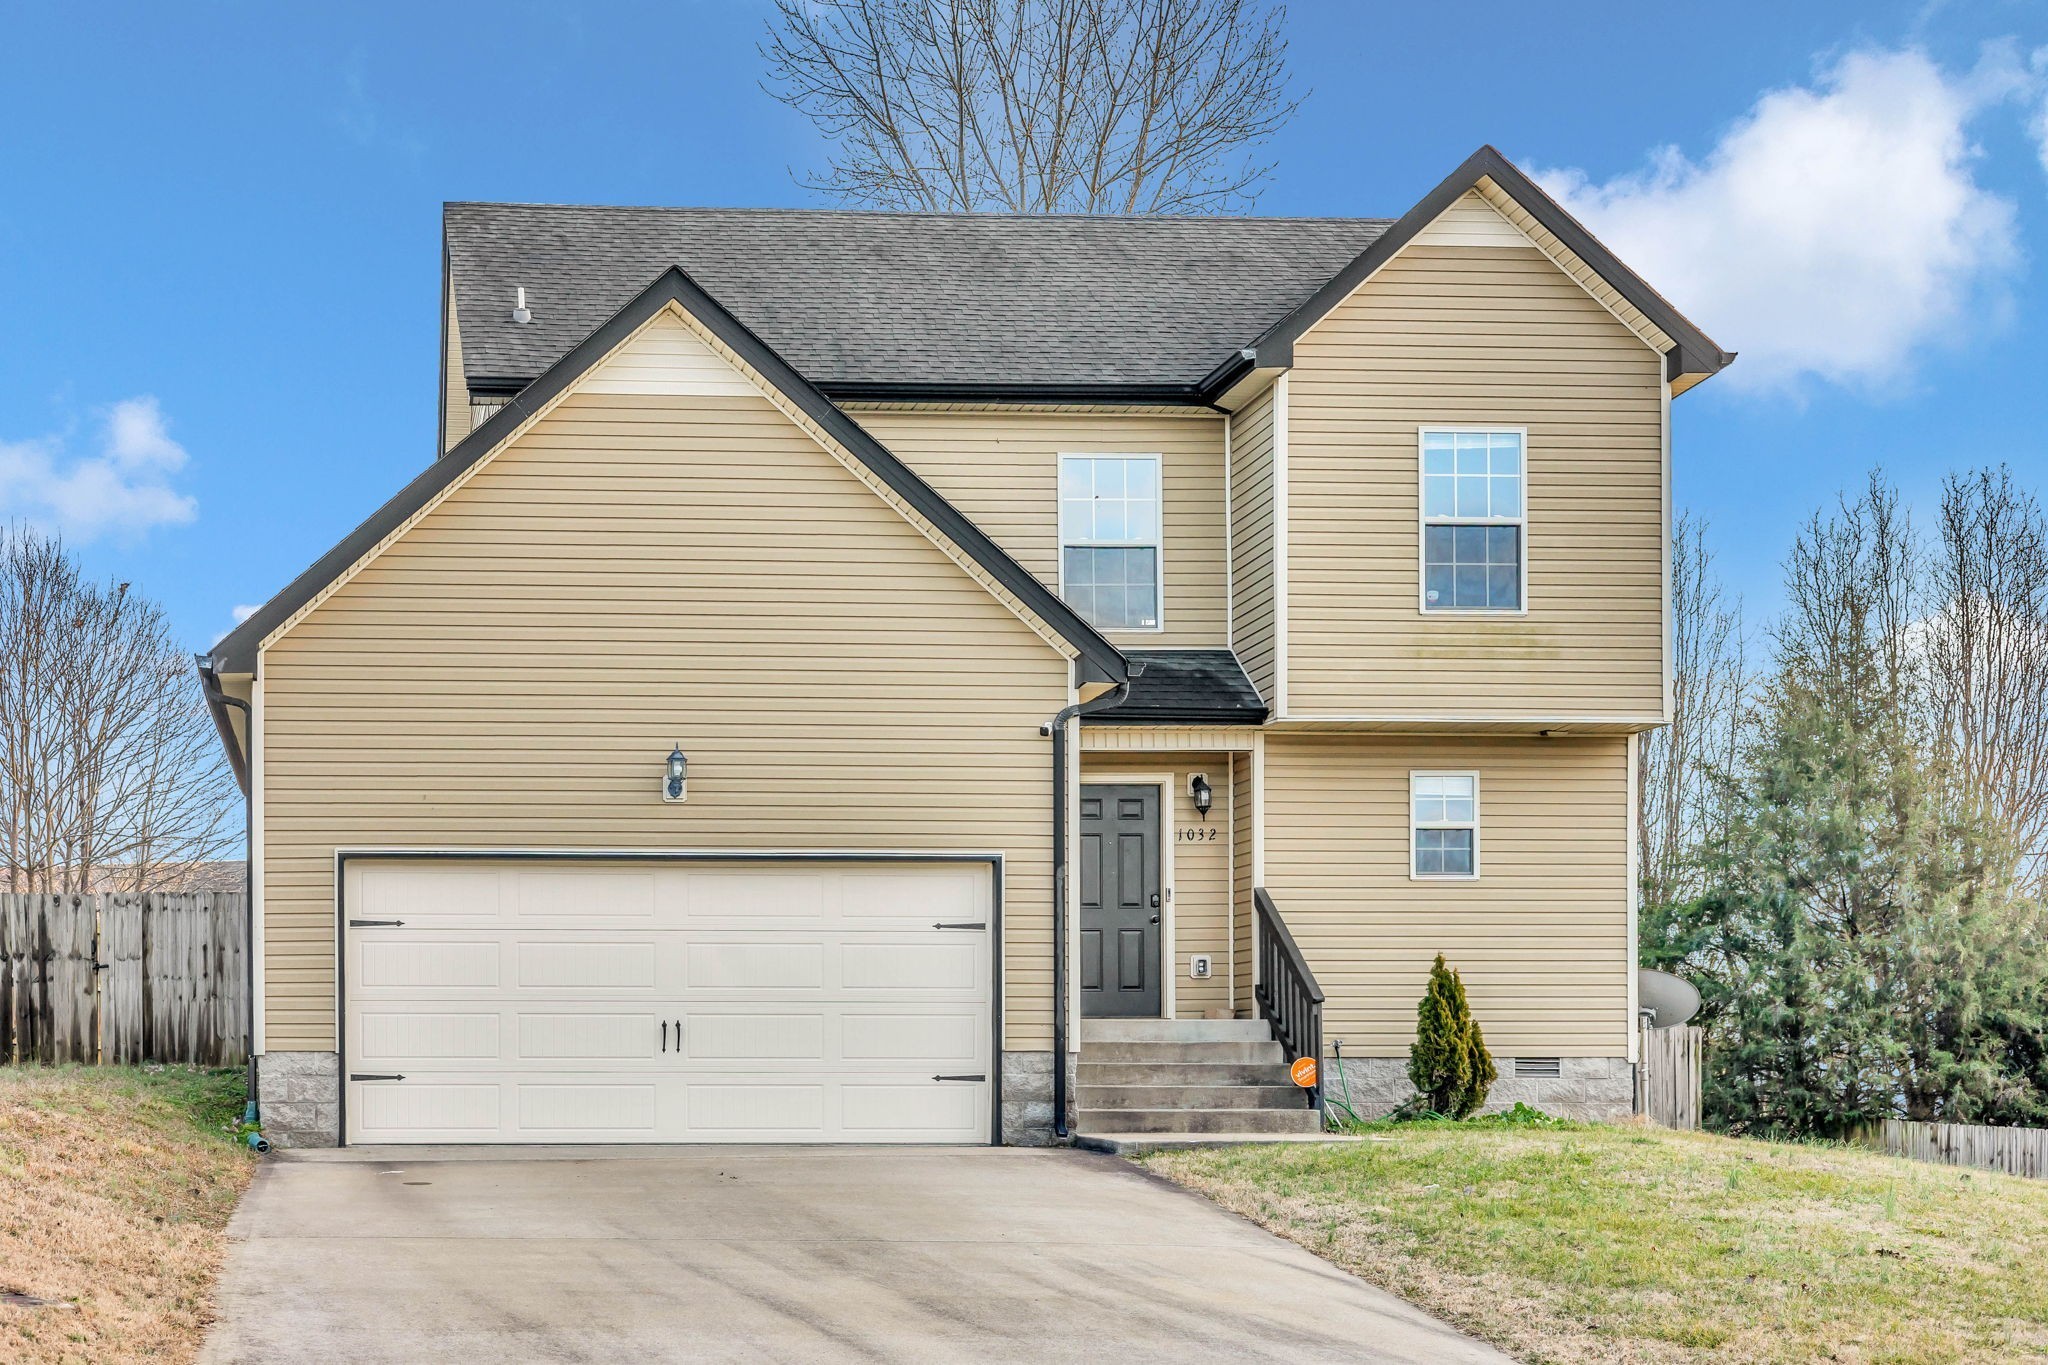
[(1109, 539), (1443, 824), (1474, 519)]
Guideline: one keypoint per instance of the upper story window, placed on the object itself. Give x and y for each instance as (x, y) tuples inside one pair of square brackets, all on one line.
[(1474, 519), (1444, 824), (1109, 539)]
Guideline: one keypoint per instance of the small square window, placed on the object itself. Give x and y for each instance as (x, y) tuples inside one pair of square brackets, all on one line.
[(1443, 824)]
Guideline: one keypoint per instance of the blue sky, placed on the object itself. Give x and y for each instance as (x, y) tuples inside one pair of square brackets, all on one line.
[(219, 229)]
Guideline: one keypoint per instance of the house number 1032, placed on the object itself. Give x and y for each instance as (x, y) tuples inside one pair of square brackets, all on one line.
[(1197, 834)]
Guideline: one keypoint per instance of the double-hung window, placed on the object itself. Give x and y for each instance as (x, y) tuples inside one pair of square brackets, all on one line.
[(1474, 519), (1443, 824), (1109, 539)]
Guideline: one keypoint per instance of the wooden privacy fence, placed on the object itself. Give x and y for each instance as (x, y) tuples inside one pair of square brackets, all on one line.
[(2016, 1151), (1668, 1076), (152, 977)]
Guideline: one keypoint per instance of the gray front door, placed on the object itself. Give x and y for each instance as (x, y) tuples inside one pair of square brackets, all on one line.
[(1120, 901)]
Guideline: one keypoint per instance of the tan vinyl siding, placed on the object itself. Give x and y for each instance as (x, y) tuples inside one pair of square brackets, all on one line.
[(1541, 937), (1251, 544), (1100, 737), (455, 416), (1002, 470), (633, 572), (1475, 336), (1201, 868), (1574, 265)]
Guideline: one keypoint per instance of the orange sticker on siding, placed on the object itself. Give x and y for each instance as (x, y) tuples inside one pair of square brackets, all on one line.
[(1303, 1072)]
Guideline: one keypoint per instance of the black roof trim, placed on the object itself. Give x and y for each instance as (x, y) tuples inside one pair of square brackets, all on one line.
[(1694, 353), (237, 652), (1178, 395), (1219, 380)]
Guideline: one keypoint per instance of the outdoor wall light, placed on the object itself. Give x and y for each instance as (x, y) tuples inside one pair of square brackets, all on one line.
[(1203, 795), (673, 785)]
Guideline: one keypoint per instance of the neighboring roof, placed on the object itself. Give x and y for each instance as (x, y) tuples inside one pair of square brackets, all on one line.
[(862, 301), (236, 653), (1185, 687), (1694, 354)]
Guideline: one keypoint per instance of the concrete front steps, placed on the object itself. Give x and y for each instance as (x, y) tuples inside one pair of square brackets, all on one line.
[(1187, 1076)]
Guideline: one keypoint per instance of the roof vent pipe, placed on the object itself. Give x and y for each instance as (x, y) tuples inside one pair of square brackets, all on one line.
[(520, 312)]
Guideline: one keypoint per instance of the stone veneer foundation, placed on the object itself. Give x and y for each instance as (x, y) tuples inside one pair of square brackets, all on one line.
[(300, 1094), (1027, 1098), (1600, 1089), (300, 1097)]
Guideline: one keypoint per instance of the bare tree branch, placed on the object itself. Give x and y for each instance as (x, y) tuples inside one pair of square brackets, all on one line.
[(1036, 106), (111, 776), (1683, 804), (1986, 646)]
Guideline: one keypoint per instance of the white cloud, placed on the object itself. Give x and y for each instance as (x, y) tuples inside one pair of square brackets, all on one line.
[(241, 612), (2038, 126), (122, 486), (1834, 230)]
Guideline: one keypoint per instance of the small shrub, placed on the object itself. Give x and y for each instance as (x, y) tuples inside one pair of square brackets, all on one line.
[(1449, 1064), (1526, 1116)]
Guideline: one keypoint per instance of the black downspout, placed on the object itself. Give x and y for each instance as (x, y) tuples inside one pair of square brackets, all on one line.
[(1057, 728), (215, 698)]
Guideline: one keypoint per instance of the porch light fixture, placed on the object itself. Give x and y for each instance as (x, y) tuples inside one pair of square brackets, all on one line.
[(673, 786), (1201, 793)]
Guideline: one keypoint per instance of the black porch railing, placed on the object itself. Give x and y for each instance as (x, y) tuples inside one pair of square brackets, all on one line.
[(1289, 998)]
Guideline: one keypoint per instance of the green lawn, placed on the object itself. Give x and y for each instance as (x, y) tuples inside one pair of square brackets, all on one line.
[(1595, 1243)]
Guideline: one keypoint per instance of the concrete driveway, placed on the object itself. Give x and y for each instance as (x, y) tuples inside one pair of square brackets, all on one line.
[(797, 1254)]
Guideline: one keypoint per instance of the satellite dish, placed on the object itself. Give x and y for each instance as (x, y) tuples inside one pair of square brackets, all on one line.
[(1668, 1000)]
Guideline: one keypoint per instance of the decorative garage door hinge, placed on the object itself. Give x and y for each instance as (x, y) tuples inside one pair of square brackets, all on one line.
[(959, 1078), (977, 924), (368, 1076), (375, 923)]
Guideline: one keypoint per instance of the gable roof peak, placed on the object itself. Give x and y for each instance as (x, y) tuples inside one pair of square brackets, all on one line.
[(1693, 353), (672, 288)]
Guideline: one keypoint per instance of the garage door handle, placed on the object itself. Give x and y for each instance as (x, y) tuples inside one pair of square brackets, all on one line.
[(664, 1035), (977, 924), (365, 1076), (959, 1078), (375, 923)]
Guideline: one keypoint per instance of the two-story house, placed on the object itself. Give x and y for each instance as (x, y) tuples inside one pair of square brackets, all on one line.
[(907, 677)]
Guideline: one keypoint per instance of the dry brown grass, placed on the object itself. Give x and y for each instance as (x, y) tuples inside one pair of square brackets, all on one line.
[(1586, 1243), (115, 1189)]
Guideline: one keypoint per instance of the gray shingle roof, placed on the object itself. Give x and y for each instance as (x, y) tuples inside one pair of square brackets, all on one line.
[(1185, 686), (860, 298)]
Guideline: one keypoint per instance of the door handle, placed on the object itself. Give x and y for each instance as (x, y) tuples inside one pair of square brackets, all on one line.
[(1155, 919), (664, 1035)]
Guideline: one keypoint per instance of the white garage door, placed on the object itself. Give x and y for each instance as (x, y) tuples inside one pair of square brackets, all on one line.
[(667, 1002)]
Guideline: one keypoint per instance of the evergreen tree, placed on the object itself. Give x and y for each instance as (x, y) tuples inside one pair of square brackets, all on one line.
[(1861, 949), (1448, 1063)]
